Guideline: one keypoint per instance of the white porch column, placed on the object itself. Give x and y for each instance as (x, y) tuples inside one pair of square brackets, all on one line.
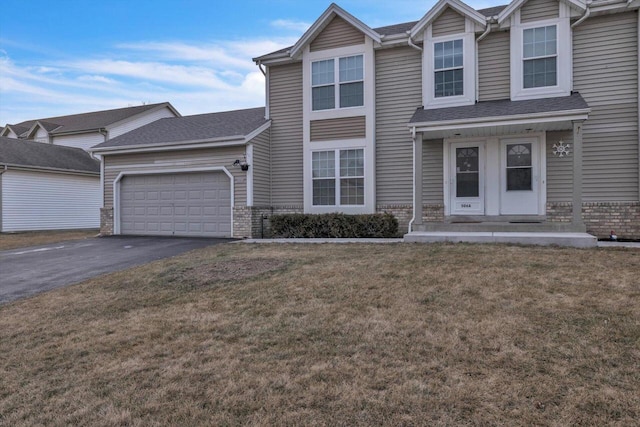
[(577, 172), (417, 179)]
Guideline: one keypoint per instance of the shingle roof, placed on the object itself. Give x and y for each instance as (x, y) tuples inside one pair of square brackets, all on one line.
[(87, 121), (19, 152), (504, 107), (201, 127), (395, 29), (492, 11), (389, 30)]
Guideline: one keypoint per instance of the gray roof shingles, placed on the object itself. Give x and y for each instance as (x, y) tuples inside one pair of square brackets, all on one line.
[(504, 107), (87, 121), (199, 127), (39, 155), (389, 30)]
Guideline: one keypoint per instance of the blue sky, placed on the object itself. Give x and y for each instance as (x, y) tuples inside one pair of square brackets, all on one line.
[(70, 56)]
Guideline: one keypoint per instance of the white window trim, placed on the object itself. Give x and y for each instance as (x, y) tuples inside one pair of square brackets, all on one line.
[(368, 206), (336, 82), (337, 177), (469, 69), (563, 57), (335, 54)]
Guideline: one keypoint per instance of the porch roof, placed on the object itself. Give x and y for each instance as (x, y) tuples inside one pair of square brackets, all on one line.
[(490, 118)]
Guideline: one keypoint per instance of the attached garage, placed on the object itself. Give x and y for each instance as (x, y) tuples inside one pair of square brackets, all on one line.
[(176, 204), (196, 176)]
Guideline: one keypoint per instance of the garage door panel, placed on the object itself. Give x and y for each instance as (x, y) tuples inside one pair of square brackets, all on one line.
[(195, 204)]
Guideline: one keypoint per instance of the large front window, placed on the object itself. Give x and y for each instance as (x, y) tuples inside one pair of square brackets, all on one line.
[(338, 177), (540, 57), (448, 68), (349, 90)]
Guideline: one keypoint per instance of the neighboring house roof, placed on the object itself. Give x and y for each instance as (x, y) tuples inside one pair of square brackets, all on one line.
[(87, 121), (387, 30), (36, 155), (226, 125), (18, 130), (501, 108)]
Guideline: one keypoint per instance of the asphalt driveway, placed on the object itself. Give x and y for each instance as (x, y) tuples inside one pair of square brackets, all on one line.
[(27, 271)]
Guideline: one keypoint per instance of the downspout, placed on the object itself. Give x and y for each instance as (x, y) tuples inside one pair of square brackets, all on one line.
[(478, 40), (585, 16), (413, 180), (411, 43)]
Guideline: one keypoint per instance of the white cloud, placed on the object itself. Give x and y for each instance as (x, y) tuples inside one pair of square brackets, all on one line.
[(287, 24)]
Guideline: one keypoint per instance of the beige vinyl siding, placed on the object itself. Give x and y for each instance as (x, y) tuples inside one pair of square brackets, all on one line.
[(449, 22), (605, 67), (201, 158), (398, 94), (494, 67), (261, 170), (432, 172), (285, 109), (343, 128), (537, 10), (337, 33), (559, 169)]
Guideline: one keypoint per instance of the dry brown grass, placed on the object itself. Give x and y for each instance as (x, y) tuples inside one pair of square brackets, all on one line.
[(34, 238), (334, 335)]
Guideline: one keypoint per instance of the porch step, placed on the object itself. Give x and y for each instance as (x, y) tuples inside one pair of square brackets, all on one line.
[(501, 226), (577, 240)]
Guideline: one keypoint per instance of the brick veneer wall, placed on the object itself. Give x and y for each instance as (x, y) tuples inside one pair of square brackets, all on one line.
[(106, 221), (622, 217)]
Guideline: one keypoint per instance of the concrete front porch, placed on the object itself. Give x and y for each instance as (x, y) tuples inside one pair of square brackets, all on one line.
[(526, 231)]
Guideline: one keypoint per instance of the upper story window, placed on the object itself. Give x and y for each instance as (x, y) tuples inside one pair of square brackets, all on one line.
[(349, 90), (541, 61), (448, 68), (539, 53)]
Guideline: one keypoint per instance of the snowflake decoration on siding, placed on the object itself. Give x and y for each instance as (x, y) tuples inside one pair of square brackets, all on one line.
[(561, 149)]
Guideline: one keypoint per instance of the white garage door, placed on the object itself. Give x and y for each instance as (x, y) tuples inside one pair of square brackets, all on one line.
[(181, 204)]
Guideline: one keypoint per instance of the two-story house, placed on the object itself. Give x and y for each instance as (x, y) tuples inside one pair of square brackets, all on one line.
[(516, 118), (464, 120)]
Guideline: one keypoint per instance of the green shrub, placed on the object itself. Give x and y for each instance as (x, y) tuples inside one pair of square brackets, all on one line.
[(334, 225)]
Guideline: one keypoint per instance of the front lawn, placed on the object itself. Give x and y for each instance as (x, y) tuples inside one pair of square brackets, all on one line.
[(351, 334), (34, 238)]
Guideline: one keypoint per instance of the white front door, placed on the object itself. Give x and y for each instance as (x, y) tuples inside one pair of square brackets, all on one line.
[(467, 178), (520, 176)]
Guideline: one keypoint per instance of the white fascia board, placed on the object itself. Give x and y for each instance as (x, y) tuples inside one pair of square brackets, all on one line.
[(52, 170), (546, 117), (172, 146), (517, 4), (321, 22), (257, 132), (456, 5)]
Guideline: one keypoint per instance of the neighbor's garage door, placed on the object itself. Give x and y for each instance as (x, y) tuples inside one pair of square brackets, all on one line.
[(182, 204)]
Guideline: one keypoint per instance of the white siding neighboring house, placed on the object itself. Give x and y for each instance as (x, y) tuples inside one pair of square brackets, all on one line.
[(47, 187), (34, 196), (88, 129)]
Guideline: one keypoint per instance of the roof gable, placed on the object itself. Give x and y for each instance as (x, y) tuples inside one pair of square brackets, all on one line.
[(517, 4), (325, 19), (440, 7)]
